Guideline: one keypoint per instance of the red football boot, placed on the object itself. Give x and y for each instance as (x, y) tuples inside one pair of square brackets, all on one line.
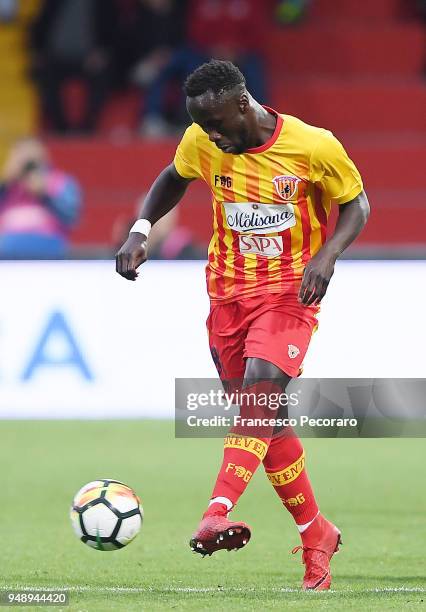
[(216, 532), (319, 543)]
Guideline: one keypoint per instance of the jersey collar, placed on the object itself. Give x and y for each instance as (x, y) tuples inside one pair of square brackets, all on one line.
[(268, 144)]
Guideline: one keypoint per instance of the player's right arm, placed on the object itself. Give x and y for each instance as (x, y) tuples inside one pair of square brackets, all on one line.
[(166, 191)]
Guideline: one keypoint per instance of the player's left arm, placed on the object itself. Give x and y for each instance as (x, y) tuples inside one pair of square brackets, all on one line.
[(336, 175), (352, 217)]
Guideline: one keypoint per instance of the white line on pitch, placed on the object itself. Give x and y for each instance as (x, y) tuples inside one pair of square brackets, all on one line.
[(109, 589)]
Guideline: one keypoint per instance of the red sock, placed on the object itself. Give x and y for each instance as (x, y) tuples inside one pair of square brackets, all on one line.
[(244, 449), (285, 468), (241, 458)]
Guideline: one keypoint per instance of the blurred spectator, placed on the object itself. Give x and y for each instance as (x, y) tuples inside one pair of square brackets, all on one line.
[(148, 33), (225, 29), (167, 239), (73, 39), (38, 204)]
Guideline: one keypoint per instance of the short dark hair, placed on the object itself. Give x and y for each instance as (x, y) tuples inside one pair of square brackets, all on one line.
[(216, 75)]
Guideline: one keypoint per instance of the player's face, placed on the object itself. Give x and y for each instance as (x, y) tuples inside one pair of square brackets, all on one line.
[(225, 122)]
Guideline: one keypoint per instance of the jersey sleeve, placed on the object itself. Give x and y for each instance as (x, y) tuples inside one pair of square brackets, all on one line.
[(186, 157), (333, 170)]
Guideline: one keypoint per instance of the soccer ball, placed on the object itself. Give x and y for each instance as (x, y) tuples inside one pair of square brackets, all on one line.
[(106, 514)]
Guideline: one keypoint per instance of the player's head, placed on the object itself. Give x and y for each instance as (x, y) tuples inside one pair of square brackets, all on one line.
[(217, 99)]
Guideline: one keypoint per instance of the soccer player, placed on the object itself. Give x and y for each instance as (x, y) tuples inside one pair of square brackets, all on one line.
[(273, 180)]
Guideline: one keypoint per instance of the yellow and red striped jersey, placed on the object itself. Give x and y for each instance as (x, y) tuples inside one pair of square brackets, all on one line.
[(270, 204)]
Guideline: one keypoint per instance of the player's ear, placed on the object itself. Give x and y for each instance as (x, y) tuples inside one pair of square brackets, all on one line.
[(244, 102)]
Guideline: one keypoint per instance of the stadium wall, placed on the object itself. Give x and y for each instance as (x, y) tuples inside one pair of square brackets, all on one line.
[(78, 341)]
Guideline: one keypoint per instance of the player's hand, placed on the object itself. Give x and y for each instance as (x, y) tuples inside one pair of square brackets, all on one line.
[(132, 254), (316, 278)]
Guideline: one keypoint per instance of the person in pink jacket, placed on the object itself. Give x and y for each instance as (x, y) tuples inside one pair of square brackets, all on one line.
[(38, 204)]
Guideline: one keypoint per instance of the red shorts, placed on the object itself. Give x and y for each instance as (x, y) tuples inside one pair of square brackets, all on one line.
[(274, 327)]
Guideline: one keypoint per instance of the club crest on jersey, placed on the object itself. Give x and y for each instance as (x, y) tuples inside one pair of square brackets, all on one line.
[(286, 186)]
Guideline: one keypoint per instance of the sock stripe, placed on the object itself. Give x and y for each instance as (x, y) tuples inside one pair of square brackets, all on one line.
[(287, 474), (257, 447)]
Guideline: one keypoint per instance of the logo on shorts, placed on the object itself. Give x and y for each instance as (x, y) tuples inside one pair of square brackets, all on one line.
[(286, 186), (293, 351)]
